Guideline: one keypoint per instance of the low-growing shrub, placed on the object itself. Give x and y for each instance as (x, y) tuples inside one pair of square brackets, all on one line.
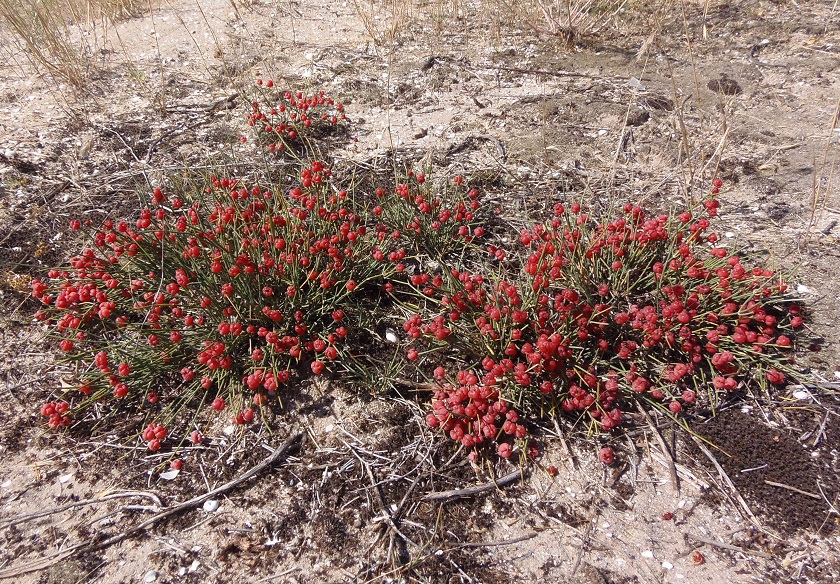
[(287, 120), (605, 311), (224, 291), (219, 288)]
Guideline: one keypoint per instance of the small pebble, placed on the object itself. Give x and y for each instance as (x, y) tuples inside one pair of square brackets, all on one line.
[(211, 505), (150, 577), (635, 83), (647, 554)]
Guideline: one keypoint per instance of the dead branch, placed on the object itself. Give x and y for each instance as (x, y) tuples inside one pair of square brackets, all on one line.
[(672, 467), (725, 546), (555, 73), (794, 489), (17, 519), (50, 560), (470, 491)]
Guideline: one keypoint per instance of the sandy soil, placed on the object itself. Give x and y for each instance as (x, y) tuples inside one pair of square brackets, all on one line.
[(649, 109)]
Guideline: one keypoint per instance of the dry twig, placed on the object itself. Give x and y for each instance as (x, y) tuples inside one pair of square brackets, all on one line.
[(470, 491), (44, 512), (794, 489), (45, 562), (725, 546), (672, 467)]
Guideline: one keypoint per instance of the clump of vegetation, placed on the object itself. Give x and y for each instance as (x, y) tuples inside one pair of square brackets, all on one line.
[(228, 291), (594, 313)]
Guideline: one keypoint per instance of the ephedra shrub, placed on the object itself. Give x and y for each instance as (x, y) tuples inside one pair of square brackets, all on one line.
[(605, 312), (226, 288), (223, 291), (287, 121)]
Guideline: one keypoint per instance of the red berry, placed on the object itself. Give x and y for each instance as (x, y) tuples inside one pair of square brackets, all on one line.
[(606, 455), (121, 390), (176, 464), (218, 404), (775, 377)]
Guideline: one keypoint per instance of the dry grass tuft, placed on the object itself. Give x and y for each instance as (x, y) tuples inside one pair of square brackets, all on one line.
[(384, 20), (567, 20), (63, 36)]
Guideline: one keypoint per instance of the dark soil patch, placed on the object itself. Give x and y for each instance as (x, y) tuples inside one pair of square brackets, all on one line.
[(755, 455)]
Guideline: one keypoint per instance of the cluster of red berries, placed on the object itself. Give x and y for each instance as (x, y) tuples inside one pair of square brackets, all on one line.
[(154, 434), (287, 119), (472, 413), (252, 283), (432, 223), (57, 414)]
